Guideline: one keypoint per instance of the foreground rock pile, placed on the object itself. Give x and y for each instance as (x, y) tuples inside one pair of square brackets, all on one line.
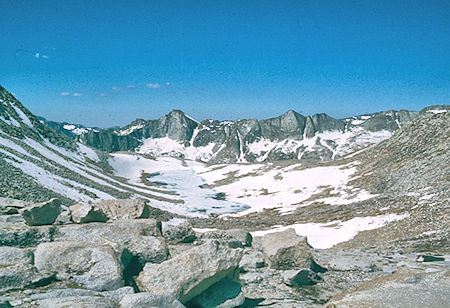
[(113, 254)]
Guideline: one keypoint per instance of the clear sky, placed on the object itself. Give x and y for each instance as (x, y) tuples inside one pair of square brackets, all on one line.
[(106, 63)]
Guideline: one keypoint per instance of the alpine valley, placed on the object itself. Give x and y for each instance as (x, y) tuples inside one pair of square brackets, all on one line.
[(292, 211)]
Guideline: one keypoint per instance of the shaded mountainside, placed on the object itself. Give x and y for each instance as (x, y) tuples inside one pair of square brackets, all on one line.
[(290, 136)]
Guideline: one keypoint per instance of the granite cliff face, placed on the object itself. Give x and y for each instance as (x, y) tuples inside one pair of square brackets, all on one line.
[(290, 136)]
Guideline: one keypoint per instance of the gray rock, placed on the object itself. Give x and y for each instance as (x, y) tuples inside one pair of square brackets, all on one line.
[(63, 218), (20, 276), (188, 275), (12, 218), (146, 300), (10, 206), (19, 234), (180, 233), (59, 293), (242, 236), (44, 213), (413, 289), (139, 238), (286, 250), (95, 267), (124, 208), (77, 301), (346, 261), (304, 277), (224, 294), (85, 212), (251, 260), (119, 294), (13, 255)]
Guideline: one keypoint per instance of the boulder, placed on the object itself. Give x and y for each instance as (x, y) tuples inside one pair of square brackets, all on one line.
[(298, 278), (44, 213), (84, 212), (242, 236), (20, 276), (19, 234), (129, 238), (63, 218), (286, 250), (119, 294), (224, 294), (67, 292), (77, 302), (189, 274), (124, 209), (178, 233), (148, 300), (348, 260), (12, 218), (12, 255), (251, 260), (10, 206), (410, 289), (95, 267)]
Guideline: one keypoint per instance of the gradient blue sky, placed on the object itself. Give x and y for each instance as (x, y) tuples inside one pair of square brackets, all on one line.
[(106, 63)]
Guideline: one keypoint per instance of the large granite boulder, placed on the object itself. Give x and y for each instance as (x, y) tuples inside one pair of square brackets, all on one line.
[(129, 238), (124, 209), (286, 250), (44, 213), (20, 276), (13, 255), (95, 267), (178, 233), (86, 212), (19, 234), (189, 274)]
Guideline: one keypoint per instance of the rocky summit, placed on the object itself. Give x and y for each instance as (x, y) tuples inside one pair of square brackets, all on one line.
[(293, 211)]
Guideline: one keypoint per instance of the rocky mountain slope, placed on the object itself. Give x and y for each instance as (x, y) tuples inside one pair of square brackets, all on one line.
[(37, 163), (283, 233), (289, 136)]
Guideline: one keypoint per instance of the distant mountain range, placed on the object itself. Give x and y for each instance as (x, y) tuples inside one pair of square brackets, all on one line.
[(290, 136)]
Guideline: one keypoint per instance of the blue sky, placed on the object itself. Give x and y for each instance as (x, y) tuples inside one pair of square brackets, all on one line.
[(106, 63)]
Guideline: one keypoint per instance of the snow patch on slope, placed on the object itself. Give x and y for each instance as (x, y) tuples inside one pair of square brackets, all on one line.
[(326, 235)]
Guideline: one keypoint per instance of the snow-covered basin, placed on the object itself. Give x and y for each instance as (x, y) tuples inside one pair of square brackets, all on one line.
[(196, 198), (326, 235), (177, 176)]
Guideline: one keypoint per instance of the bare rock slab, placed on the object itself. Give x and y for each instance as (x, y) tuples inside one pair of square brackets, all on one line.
[(189, 274), (286, 250), (14, 255), (146, 300), (77, 301), (19, 234), (95, 267), (20, 276), (44, 213)]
